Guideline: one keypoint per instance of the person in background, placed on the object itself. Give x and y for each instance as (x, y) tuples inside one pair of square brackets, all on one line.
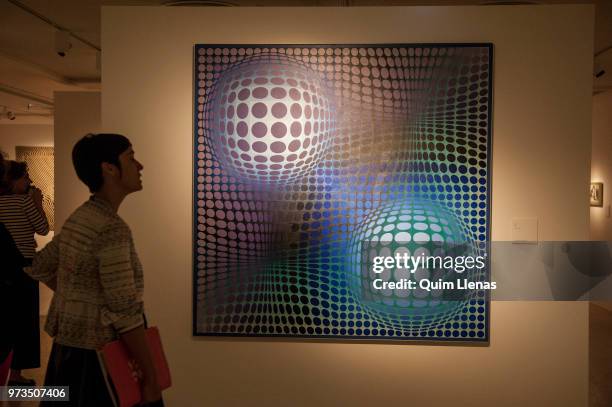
[(97, 278), (11, 265), (22, 214)]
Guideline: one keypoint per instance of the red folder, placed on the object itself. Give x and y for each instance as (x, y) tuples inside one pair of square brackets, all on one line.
[(123, 373), (5, 369)]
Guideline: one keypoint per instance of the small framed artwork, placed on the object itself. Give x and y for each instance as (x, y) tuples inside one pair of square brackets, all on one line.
[(596, 194)]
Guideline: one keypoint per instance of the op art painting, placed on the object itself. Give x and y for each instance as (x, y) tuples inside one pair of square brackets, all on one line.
[(40, 168), (312, 161)]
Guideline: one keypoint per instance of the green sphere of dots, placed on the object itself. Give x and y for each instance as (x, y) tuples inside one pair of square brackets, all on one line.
[(417, 228)]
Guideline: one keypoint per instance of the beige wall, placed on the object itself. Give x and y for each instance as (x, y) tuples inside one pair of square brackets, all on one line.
[(601, 170), (76, 114), (13, 135), (542, 110), (601, 164)]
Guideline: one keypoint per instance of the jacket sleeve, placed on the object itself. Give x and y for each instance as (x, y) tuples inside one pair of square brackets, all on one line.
[(123, 307), (37, 219), (46, 262)]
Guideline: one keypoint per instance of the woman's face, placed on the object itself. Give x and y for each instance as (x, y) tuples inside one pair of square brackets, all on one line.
[(21, 185)]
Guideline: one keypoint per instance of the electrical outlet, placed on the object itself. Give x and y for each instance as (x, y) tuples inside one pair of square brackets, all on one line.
[(525, 230)]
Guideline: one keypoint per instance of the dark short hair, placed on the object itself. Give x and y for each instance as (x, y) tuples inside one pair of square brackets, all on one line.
[(91, 151), (16, 170), (12, 171)]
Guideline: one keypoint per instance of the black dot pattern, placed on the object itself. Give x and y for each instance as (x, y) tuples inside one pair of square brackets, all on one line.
[(284, 198)]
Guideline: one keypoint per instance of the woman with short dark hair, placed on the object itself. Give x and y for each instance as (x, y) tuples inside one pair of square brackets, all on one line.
[(94, 270), (22, 215)]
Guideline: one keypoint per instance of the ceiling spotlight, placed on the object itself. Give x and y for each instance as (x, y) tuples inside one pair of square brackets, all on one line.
[(7, 113), (601, 62), (62, 42)]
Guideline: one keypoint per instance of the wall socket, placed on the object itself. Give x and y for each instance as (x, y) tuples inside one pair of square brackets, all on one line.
[(525, 230)]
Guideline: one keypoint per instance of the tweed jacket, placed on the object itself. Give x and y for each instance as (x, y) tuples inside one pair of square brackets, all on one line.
[(98, 277)]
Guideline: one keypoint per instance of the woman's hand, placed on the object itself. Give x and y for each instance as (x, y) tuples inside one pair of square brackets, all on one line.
[(37, 196), (138, 348)]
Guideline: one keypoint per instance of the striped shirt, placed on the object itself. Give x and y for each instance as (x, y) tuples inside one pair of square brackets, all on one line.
[(99, 279), (22, 219)]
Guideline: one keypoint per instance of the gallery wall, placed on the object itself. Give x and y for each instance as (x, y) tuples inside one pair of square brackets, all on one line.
[(76, 114), (35, 135), (542, 109), (601, 165), (601, 170)]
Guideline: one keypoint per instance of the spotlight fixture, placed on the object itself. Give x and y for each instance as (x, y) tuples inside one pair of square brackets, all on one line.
[(598, 70), (601, 62), (7, 113), (62, 42)]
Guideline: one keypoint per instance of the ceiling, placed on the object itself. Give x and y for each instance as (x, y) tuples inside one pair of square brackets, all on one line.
[(31, 69)]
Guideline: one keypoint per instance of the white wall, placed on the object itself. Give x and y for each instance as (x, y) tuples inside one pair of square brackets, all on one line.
[(601, 170), (73, 111), (601, 164), (76, 114), (13, 135), (538, 355)]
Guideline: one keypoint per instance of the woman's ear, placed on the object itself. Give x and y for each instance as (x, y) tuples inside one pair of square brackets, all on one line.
[(109, 169)]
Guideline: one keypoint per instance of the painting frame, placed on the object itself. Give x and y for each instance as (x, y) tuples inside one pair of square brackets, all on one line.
[(596, 194), (197, 292)]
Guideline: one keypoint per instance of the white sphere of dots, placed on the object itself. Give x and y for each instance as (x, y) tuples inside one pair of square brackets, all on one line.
[(270, 118)]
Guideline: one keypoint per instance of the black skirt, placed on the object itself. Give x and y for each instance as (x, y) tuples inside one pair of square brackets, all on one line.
[(80, 370), (16, 307), (6, 316), (24, 335)]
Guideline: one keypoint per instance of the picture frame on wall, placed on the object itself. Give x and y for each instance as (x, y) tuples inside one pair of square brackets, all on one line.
[(40, 161), (596, 194), (311, 161)]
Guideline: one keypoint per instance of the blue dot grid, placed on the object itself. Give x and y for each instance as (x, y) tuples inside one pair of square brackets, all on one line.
[(411, 137)]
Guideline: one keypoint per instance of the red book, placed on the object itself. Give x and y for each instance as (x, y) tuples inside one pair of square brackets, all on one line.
[(125, 375), (5, 369)]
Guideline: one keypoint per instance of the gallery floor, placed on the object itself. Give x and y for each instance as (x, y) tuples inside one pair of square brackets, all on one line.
[(600, 355)]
